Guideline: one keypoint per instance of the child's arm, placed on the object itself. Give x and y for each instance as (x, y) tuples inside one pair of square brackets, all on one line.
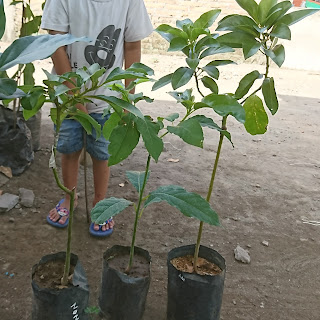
[(132, 54), (62, 65)]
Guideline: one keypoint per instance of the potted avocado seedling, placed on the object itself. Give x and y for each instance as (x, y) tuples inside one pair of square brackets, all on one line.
[(126, 269), (59, 283), (195, 293), (23, 51)]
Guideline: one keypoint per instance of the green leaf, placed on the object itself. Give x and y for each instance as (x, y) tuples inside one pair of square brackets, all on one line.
[(149, 132), (189, 131), (123, 140), (110, 125), (7, 86), (246, 83), (168, 32), (32, 100), (251, 7), (295, 16), (177, 44), (60, 89), (207, 19), (189, 203), (237, 22), (206, 122), (277, 54), (256, 117), (276, 12), (211, 70), (117, 102), (138, 65), (196, 32), (210, 84), (171, 117), (251, 48), (209, 123), (192, 63), (182, 96), (31, 27), (224, 105), (138, 97), (137, 178), (27, 114), (270, 95), (28, 72), (264, 8), (281, 31), (17, 94), (239, 39), (184, 23), (218, 63), (216, 50), (181, 77), (162, 82), (2, 19), (120, 74), (206, 42), (107, 208), (28, 49), (87, 122)]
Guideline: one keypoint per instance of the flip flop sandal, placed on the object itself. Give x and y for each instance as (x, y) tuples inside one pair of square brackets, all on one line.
[(62, 213), (100, 233)]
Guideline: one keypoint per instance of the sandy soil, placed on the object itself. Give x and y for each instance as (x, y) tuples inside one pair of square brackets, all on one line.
[(266, 187)]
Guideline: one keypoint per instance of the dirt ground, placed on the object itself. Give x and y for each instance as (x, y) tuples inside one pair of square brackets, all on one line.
[(266, 187)]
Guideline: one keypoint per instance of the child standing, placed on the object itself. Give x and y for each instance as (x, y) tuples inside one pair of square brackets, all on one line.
[(116, 28)]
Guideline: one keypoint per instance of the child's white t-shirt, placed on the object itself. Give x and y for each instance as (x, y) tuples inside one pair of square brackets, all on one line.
[(109, 23)]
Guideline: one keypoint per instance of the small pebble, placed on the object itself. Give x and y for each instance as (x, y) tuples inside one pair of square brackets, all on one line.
[(11, 220), (234, 302), (265, 243)]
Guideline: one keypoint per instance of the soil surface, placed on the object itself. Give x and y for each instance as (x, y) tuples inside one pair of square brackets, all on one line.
[(266, 188)]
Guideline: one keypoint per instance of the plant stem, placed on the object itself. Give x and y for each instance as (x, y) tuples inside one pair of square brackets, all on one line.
[(71, 193), (137, 215), (214, 171)]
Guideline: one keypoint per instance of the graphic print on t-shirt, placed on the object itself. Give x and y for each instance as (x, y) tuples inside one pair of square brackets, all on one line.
[(102, 51)]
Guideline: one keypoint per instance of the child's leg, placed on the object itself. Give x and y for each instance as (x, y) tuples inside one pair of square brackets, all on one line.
[(69, 145), (101, 173), (98, 150)]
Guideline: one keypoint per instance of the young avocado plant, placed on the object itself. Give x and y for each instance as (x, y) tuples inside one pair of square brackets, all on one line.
[(123, 131), (259, 31), (84, 82)]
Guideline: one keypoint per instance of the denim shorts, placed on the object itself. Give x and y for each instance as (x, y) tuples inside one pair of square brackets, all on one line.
[(71, 136)]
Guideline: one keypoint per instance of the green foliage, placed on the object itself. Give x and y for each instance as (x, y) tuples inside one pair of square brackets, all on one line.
[(27, 49), (137, 178), (107, 208), (149, 131), (258, 31), (189, 203), (256, 117), (269, 94), (189, 131)]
